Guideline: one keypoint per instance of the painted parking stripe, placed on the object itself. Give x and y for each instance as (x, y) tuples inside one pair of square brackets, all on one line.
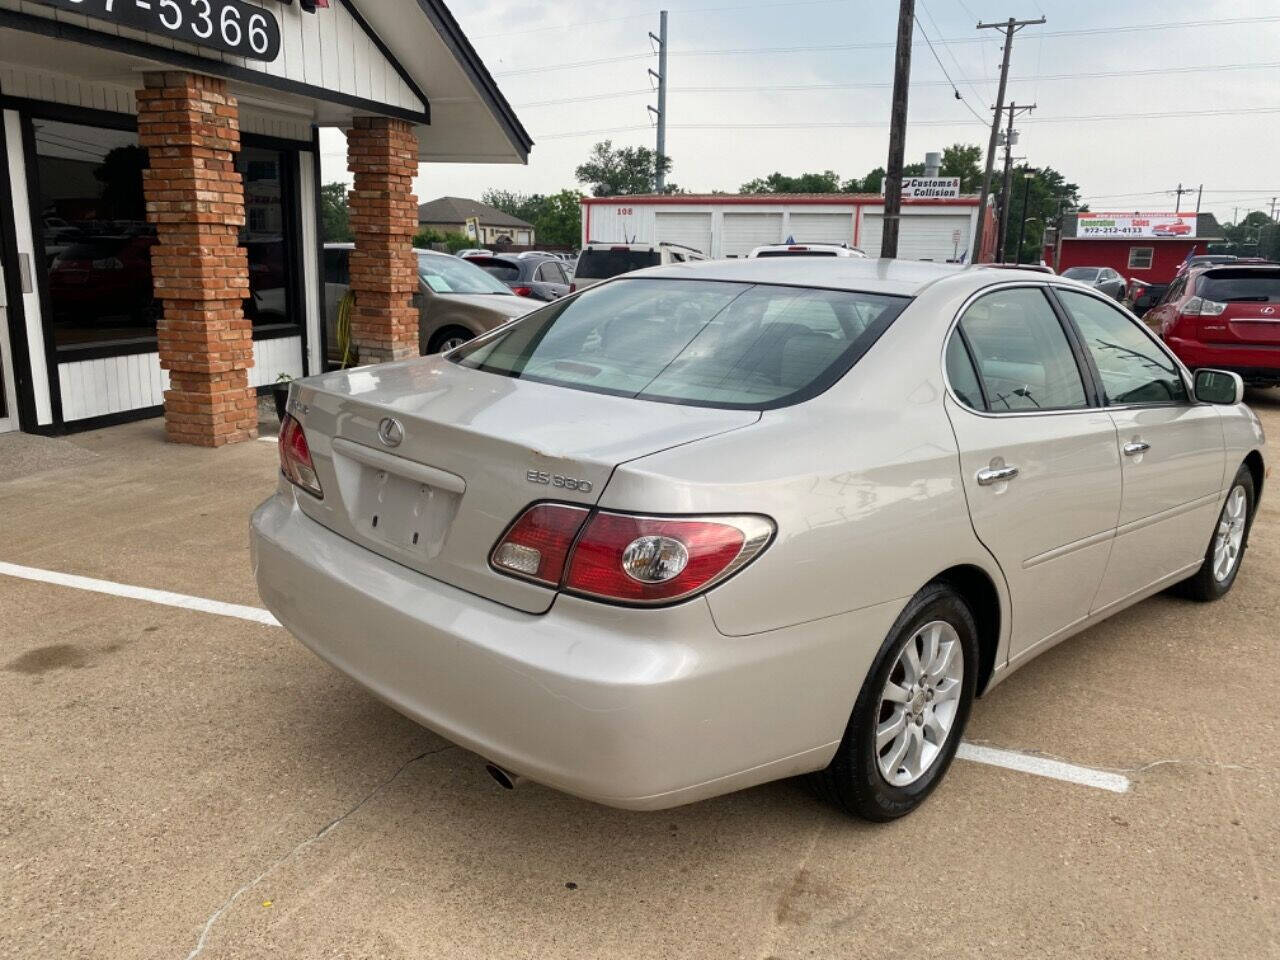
[(165, 597), (992, 756), (269, 439), (1043, 767)]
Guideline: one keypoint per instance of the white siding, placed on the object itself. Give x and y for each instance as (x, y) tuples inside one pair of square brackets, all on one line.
[(821, 227), (94, 388), (745, 231), (274, 357), (927, 237), (312, 51), (689, 229)]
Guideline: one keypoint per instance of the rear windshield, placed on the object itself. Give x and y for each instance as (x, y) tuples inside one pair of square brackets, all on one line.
[(1240, 285), (1085, 274), (795, 253), (446, 274), (692, 342), (603, 264), (504, 270)]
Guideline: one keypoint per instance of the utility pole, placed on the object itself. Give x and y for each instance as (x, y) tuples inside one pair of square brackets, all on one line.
[(660, 176), (1273, 208), (1010, 27), (1199, 197), (1027, 176), (1011, 135), (1180, 191), (897, 132)]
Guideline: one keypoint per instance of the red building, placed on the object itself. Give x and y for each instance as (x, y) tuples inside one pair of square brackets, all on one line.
[(1143, 246)]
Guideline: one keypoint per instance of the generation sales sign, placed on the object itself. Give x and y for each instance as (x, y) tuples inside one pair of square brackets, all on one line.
[(1138, 225)]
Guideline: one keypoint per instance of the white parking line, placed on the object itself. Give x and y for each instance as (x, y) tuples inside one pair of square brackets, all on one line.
[(992, 756), (1043, 767), (165, 597), (269, 439)]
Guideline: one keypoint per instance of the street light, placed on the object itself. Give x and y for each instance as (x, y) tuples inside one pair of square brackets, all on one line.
[(1027, 176)]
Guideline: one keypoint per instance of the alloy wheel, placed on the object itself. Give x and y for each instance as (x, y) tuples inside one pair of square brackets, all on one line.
[(919, 703), (1230, 536)]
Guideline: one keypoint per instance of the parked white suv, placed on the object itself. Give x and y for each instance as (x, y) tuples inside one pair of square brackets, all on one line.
[(603, 261), (806, 250)]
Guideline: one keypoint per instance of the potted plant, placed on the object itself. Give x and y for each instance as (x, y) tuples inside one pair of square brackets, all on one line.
[(280, 390)]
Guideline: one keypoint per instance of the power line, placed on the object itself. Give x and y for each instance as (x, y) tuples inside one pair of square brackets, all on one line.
[(879, 85), (954, 89), (813, 48), (959, 69)]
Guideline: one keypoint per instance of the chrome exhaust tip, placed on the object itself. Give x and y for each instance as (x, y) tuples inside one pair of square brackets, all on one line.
[(504, 778)]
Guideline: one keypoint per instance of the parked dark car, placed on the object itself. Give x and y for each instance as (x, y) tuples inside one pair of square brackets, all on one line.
[(538, 276), (1225, 317), (1104, 279)]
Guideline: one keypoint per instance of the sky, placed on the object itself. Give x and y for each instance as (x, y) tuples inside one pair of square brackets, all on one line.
[(1174, 56)]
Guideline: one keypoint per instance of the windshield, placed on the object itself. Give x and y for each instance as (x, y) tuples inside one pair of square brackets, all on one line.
[(446, 274), (1085, 274), (603, 264), (1227, 286), (700, 343)]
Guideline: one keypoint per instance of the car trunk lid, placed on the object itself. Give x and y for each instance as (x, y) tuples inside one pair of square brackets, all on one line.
[(1251, 300), (468, 451)]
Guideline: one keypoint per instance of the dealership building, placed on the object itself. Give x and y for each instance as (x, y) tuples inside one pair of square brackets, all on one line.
[(1147, 247), (159, 247), (939, 228)]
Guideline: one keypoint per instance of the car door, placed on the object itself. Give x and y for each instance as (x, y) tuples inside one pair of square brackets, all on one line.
[(549, 281), (1038, 457), (1172, 450)]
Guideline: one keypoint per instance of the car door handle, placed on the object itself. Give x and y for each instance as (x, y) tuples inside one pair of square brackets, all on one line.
[(996, 475), (1135, 447)]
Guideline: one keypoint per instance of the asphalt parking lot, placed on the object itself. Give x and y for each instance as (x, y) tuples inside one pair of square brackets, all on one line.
[(178, 783)]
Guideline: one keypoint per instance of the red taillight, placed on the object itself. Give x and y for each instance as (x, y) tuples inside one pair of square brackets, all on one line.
[(538, 543), (628, 559), (295, 457), (522, 291)]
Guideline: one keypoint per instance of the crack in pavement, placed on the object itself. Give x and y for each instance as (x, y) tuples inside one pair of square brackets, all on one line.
[(320, 835)]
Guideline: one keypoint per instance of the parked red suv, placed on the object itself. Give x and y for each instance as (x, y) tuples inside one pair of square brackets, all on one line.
[(1224, 317)]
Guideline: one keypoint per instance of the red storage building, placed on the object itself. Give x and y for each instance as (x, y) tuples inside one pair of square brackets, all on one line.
[(1142, 246)]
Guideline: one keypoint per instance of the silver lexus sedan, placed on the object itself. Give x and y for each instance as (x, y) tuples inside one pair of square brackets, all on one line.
[(713, 524)]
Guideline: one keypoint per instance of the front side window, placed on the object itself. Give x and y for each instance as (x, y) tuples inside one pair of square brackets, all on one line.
[(97, 242), (1132, 367), (1140, 258), (701, 343), (1022, 353)]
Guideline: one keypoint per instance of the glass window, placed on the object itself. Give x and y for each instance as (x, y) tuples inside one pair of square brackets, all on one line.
[(964, 381), (448, 274), (701, 343), (1022, 353), (97, 242), (599, 264), (1240, 285), (504, 270), (337, 265), (1140, 258), (1083, 274), (266, 236), (1133, 368)]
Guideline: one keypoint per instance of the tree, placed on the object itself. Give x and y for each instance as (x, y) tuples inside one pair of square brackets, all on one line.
[(626, 171), (335, 226), (963, 161), (526, 206), (1047, 194), (826, 182), (559, 222), (1257, 235)]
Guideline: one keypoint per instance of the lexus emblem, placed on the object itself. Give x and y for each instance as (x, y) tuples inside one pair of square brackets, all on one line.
[(390, 432), (1268, 311)]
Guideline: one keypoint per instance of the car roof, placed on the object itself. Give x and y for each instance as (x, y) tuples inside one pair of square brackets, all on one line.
[(895, 277)]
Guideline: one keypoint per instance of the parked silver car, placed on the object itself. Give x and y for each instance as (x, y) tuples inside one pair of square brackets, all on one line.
[(709, 525)]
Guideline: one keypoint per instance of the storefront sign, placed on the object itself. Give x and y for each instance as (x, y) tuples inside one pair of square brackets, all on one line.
[(928, 188), (1136, 225), (227, 25)]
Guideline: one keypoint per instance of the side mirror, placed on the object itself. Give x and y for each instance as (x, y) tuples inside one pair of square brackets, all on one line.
[(1219, 386)]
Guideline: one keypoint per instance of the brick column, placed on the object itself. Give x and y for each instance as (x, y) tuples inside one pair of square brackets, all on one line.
[(191, 129), (383, 155)]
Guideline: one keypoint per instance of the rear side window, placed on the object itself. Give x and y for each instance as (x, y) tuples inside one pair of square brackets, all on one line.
[(960, 373), (603, 264), (503, 270), (699, 343), (1022, 353), (1240, 285), (1133, 369)]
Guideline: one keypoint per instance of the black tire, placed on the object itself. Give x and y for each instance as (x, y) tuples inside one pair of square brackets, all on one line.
[(853, 781), (443, 336), (1203, 586)]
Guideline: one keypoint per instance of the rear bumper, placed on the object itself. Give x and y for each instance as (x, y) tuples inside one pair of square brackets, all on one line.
[(633, 708), (1256, 364)]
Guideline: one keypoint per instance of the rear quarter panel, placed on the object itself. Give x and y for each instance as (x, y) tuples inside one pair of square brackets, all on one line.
[(863, 483)]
